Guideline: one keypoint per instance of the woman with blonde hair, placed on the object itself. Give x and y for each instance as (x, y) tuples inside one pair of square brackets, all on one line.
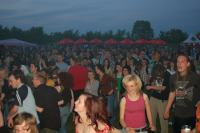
[(133, 107), (25, 123)]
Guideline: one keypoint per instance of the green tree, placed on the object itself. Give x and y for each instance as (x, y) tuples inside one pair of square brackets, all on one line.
[(120, 34), (142, 30), (174, 36), (4, 32), (107, 35), (16, 33), (36, 35)]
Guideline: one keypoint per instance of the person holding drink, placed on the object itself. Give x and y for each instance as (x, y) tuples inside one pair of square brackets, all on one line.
[(158, 93), (185, 93)]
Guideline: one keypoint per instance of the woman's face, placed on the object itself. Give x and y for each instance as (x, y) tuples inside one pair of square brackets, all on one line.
[(80, 104), (23, 128), (118, 68), (131, 86), (97, 70), (106, 62), (125, 72), (123, 62), (91, 75), (130, 62)]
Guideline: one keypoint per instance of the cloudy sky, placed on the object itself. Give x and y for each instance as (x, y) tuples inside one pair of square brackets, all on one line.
[(100, 15)]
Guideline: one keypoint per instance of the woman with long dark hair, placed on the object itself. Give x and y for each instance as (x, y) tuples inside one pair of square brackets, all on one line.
[(63, 86), (107, 88), (92, 115), (107, 67)]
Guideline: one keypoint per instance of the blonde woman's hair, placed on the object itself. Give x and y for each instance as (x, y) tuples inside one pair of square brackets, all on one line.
[(134, 78), (29, 120)]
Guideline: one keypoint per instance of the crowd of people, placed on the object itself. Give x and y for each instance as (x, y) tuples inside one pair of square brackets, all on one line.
[(99, 86)]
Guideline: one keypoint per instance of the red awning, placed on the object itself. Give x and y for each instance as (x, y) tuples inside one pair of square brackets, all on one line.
[(96, 41), (142, 41), (65, 41), (157, 42), (111, 41), (81, 41), (127, 41)]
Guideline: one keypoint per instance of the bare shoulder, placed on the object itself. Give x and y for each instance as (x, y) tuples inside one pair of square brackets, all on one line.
[(145, 97), (123, 100)]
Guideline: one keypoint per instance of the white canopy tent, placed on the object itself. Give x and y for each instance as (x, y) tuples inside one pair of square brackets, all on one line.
[(191, 40), (16, 42)]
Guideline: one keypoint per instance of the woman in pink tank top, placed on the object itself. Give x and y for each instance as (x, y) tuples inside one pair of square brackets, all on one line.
[(134, 105)]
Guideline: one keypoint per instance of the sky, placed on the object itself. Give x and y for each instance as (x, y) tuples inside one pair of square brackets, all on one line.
[(100, 15)]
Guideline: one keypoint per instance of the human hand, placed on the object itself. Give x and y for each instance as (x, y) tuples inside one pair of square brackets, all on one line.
[(149, 87), (152, 128), (10, 122), (58, 88), (166, 115), (110, 92)]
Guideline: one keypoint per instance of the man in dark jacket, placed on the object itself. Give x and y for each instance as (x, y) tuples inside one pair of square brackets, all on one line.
[(47, 101)]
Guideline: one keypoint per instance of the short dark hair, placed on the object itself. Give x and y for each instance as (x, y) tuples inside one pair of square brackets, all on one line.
[(35, 64), (18, 74), (185, 55), (74, 58), (128, 68)]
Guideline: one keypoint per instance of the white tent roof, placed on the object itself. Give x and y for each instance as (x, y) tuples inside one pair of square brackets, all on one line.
[(16, 42), (192, 39)]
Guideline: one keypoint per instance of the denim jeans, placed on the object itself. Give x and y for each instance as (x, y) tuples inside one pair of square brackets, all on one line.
[(111, 107), (64, 114)]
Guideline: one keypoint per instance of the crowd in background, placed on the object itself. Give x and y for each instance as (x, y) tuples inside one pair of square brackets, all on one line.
[(62, 80)]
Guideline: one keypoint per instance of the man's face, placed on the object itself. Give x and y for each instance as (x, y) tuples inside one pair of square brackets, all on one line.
[(182, 64), (59, 58), (33, 68), (156, 56), (14, 83), (35, 81), (71, 61)]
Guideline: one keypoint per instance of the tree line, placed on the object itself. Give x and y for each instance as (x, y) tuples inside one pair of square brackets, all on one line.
[(141, 30)]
